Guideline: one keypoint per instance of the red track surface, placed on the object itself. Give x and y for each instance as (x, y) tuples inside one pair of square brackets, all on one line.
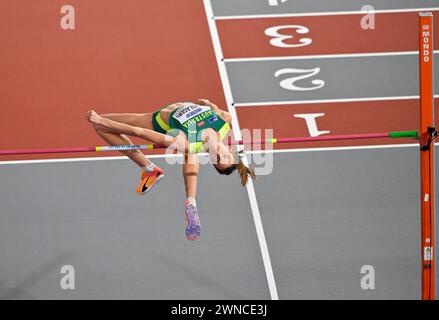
[(136, 55), (130, 56), (330, 34)]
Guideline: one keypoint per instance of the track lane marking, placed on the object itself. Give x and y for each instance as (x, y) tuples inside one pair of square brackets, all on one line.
[(159, 156), (280, 103), (318, 14), (237, 135), (327, 56)]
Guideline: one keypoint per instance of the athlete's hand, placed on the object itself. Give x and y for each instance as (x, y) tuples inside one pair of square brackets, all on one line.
[(204, 102), (93, 117)]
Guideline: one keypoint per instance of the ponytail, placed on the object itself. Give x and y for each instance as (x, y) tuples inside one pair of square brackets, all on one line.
[(243, 171)]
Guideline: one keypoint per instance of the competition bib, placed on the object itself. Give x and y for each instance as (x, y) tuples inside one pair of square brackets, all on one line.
[(188, 111)]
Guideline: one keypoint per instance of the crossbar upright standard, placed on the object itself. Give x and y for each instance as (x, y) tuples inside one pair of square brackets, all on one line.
[(427, 135)]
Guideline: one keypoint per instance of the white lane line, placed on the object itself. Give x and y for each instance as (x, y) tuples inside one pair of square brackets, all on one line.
[(294, 102), (163, 156), (237, 135), (371, 147), (319, 14), (326, 56), (60, 160)]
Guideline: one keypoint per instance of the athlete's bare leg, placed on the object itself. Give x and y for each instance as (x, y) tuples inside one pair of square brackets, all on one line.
[(190, 174), (142, 120)]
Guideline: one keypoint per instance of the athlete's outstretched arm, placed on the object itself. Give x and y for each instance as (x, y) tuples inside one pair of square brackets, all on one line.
[(191, 168), (147, 134)]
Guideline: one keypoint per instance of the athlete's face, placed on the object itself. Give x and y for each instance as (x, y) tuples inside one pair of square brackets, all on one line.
[(224, 157)]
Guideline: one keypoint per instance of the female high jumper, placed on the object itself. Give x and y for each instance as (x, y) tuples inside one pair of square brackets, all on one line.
[(187, 127)]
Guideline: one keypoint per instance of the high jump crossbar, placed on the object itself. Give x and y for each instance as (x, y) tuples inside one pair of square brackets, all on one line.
[(393, 135)]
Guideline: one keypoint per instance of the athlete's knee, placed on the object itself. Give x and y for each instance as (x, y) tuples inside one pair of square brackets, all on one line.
[(191, 169)]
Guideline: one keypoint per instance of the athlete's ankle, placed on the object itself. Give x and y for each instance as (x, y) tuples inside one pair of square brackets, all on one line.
[(189, 200), (149, 167)]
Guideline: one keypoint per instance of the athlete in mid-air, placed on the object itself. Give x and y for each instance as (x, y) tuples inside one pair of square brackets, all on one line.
[(189, 128)]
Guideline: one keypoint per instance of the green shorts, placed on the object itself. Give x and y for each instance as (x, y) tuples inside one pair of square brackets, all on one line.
[(161, 126), (158, 124)]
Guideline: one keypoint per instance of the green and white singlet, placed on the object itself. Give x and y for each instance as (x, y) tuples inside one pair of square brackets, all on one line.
[(192, 119)]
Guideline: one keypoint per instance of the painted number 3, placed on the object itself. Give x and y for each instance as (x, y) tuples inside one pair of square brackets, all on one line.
[(279, 39)]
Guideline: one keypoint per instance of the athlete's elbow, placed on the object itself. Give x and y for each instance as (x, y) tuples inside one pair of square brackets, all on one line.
[(180, 145)]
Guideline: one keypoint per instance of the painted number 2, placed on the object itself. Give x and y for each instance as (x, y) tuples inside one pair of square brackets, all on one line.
[(290, 83), (279, 39)]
